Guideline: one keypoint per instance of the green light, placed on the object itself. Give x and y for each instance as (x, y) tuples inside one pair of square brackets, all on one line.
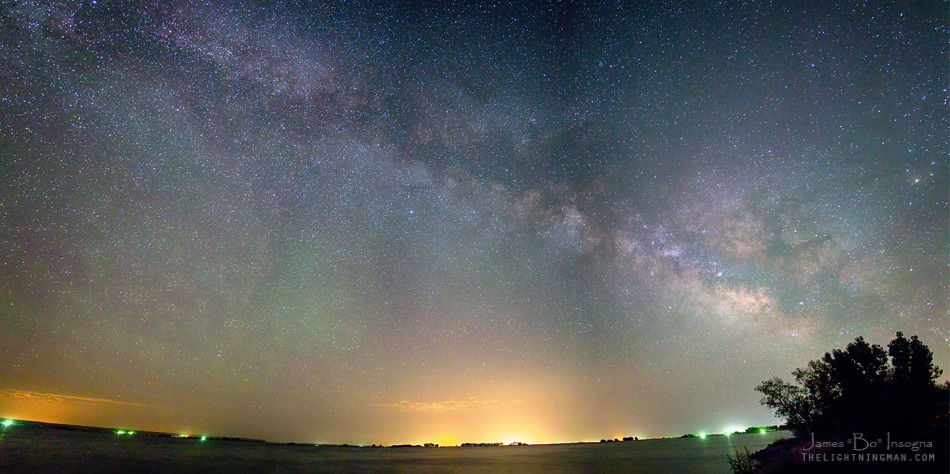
[(131, 433), (204, 438), (7, 423), (120, 432), (762, 431), (702, 436), (727, 433)]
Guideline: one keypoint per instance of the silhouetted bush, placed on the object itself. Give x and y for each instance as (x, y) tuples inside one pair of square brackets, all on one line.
[(742, 463)]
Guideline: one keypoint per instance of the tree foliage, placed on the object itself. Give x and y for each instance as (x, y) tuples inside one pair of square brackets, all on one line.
[(857, 389)]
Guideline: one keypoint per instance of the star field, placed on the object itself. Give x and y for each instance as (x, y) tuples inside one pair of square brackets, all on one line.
[(411, 222)]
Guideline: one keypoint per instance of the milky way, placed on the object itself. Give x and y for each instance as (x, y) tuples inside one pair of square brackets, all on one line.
[(410, 222)]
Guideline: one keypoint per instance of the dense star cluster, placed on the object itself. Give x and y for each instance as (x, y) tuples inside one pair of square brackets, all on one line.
[(408, 222)]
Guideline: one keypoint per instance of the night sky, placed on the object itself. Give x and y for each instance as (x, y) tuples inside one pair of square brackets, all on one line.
[(409, 222)]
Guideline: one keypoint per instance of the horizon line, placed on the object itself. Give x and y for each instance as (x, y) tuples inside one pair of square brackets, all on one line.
[(12, 421)]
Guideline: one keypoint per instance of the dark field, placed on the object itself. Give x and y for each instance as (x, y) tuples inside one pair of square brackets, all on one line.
[(57, 450)]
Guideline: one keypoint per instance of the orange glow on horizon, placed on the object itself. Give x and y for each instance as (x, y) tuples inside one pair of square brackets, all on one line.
[(520, 410)]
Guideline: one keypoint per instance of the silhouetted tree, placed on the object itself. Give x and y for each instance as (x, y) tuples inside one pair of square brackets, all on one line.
[(857, 390), (913, 380), (899, 350), (923, 372), (789, 402)]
